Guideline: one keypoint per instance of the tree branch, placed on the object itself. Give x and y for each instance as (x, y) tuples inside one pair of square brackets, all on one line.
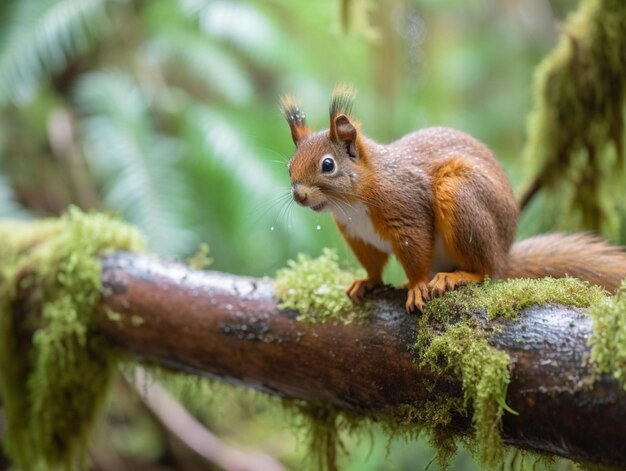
[(230, 328)]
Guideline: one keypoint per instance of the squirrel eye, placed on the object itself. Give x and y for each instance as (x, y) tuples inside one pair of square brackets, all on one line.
[(328, 165)]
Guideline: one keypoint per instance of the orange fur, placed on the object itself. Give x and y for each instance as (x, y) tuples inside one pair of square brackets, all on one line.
[(446, 181)]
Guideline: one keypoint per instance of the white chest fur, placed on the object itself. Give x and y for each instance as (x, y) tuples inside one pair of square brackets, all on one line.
[(355, 218)]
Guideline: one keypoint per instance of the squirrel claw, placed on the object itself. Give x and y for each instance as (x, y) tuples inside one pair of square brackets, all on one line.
[(417, 297), (441, 283), (359, 288)]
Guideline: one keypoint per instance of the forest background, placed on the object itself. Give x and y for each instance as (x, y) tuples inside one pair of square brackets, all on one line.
[(166, 114)]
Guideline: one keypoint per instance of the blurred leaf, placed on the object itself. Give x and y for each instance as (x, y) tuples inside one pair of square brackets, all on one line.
[(242, 25), (135, 164), (39, 36), (192, 56), (9, 208), (223, 141)]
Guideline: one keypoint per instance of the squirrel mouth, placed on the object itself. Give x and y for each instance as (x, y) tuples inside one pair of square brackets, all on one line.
[(319, 207)]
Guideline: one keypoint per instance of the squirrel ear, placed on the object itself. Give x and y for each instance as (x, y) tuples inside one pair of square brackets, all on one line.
[(295, 118), (342, 130)]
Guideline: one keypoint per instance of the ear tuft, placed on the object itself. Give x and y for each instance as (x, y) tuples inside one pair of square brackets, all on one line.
[(295, 118), (341, 101), (340, 109)]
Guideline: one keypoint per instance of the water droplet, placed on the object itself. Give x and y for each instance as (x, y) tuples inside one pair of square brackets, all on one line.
[(272, 228), (319, 227)]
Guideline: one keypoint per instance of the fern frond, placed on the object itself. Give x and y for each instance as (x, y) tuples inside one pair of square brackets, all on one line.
[(244, 26), (39, 36), (200, 59), (224, 144), (135, 164)]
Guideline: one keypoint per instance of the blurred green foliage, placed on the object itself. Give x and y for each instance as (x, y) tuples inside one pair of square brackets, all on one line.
[(166, 113)]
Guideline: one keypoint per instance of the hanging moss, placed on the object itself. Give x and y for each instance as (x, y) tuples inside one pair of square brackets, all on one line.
[(54, 366), (577, 125), (462, 347), (322, 426), (484, 372), (608, 339), (354, 16)]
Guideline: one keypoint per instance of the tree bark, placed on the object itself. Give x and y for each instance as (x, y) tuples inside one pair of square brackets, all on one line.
[(230, 328)]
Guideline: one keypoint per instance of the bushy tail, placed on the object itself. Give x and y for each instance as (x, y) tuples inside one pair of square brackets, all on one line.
[(558, 255)]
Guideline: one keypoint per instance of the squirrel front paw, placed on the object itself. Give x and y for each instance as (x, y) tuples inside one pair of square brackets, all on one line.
[(359, 288), (416, 298)]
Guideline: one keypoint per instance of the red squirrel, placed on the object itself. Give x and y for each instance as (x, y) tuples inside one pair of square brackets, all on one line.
[(437, 199)]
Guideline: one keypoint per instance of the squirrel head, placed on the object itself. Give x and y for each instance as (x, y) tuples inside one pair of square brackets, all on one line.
[(327, 165)]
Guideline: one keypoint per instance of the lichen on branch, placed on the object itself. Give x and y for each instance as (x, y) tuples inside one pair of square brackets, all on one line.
[(55, 367)]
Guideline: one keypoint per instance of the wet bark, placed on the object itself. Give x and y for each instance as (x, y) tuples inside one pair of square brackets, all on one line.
[(230, 328)]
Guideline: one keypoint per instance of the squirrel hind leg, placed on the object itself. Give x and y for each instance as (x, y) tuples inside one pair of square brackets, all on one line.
[(443, 282)]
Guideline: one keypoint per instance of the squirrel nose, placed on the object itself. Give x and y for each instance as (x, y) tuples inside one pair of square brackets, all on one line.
[(299, 196)]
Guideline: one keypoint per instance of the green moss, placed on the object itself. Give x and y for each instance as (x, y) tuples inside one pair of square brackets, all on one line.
[(608, 339), (323, 426), (504, 299), (484, 372), (200, 260), (316, 288), (576, 127), (54, 365)]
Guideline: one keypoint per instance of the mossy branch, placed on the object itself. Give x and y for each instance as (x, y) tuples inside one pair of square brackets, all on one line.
[(489, 364), (231, 328)]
